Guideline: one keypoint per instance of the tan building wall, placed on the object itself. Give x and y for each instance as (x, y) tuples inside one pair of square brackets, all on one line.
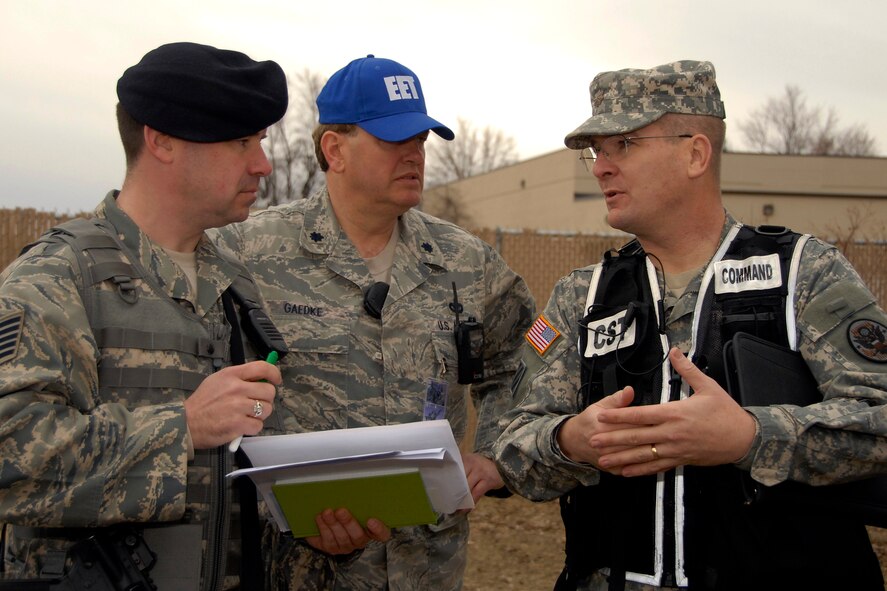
[(817, 194)]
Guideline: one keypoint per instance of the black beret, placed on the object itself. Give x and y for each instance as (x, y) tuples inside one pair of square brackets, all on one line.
[(203, 94)]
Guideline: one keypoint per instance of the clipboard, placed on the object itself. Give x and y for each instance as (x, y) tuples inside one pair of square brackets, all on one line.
[(308, 465), (397, 497)]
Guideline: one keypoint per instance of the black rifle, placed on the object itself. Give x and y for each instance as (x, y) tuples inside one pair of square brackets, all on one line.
[(115, 560)]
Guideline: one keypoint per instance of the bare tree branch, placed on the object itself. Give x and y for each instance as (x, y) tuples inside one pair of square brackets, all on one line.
[(787, 125), (296, 173), (474, 151), (844, 232)]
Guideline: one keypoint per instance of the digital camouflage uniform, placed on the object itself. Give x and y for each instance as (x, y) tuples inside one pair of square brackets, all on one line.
[(347, 369), (839, 439), (94, 433)]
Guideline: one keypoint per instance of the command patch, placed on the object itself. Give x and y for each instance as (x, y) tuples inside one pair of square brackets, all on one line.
[(10, 333), (542, 334), (753, 273), (869, 339)]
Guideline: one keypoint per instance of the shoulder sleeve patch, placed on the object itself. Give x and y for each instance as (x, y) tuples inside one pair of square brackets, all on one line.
[(10, 334), (869, 339), (542, 335)]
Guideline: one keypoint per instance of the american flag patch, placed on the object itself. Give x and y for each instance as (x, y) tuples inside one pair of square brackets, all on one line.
[(542, 334), (10, 332)]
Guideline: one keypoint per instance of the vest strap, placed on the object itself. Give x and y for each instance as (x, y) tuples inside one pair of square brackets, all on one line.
[(111, 269), (140, 377), (252, 572), (123, 338)]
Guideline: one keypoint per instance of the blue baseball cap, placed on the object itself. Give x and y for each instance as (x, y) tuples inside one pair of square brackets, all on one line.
[(381, 97)]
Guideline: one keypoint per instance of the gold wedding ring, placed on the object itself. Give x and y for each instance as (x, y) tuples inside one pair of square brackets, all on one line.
[(652, 448)]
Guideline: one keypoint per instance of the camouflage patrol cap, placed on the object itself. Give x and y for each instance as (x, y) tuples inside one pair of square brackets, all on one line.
[(626, 100)]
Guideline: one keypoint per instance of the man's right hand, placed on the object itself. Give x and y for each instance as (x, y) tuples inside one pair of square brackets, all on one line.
[(223, 406), (574, 436)]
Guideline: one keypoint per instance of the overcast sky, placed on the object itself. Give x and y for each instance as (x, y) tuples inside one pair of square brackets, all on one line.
[(520, 66)]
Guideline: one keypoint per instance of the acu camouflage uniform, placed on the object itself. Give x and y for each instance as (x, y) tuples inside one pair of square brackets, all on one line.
[(840, 439), (346, 369), (92, 422)]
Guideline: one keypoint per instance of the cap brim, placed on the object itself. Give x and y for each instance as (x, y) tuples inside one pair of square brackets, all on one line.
[(609, 124), (403, 126)]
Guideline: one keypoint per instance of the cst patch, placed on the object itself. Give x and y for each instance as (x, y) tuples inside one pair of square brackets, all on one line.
[(609, 334), (10, 335), (542, 334), (869, 339)]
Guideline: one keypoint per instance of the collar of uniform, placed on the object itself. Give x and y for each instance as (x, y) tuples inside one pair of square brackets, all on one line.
[(214, 273), (134, 238), (321, 231), (686, 303), (729, 222), (419, 240), (158, 266)]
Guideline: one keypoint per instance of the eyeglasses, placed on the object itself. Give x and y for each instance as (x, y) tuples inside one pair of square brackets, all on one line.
[(615, 147)]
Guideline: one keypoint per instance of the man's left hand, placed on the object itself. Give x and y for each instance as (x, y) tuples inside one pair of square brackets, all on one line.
[(341, 533)]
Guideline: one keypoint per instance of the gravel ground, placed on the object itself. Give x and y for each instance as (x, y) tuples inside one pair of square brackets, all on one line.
[(517, 545)]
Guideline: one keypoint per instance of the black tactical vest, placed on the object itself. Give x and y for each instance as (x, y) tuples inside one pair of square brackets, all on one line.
[(635, 526), (170, 351)]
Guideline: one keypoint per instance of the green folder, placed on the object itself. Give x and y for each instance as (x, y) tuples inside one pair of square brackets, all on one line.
[(397, 498)]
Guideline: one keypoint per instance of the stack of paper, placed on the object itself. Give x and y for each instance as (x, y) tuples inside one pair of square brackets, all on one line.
[(401, 474)]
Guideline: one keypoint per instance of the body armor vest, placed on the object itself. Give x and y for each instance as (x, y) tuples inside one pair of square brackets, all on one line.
[(170, 351), (692, 526)]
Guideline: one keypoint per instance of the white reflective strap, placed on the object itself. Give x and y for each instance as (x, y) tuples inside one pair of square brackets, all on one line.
[(791, 328)]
